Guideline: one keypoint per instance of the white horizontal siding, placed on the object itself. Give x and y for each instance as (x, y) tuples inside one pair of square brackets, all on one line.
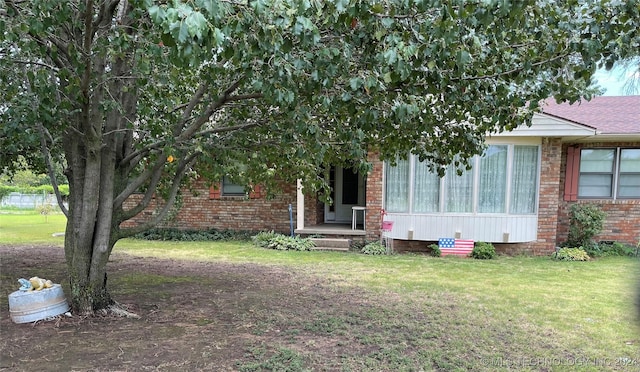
[(543, 125), (486, 228)]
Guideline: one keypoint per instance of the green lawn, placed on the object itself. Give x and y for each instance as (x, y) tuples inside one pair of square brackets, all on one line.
[(555, 314), (31, 228), (583, 306)]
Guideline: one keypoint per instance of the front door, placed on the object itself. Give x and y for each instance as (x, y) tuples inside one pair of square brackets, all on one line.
[(348, 190)]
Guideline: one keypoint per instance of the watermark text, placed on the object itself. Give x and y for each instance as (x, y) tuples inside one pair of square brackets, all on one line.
[(560, 362)]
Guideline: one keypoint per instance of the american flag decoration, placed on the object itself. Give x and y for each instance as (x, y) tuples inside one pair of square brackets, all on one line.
[(458, 247)]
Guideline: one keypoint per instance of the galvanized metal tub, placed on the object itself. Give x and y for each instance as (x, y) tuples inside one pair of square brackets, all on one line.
[(31, 306)]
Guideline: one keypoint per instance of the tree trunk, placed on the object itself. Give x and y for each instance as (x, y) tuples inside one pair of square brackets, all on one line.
[(88, 236), (87, 274)]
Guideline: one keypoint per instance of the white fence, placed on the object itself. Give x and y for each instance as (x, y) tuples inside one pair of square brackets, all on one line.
[(28, 201)]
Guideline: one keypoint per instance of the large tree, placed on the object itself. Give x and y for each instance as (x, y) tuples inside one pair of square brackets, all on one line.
[(139, 96)]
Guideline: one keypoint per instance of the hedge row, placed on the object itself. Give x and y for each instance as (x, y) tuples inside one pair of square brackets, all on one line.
[(44, 189)]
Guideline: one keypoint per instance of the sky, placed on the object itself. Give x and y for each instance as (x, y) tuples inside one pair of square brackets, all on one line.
[(614, 79)]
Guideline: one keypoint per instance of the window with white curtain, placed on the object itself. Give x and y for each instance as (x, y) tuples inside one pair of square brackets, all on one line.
[(503, 180), (458, 190), (397, 187), (524, 180), (493, 180), (426, 189)]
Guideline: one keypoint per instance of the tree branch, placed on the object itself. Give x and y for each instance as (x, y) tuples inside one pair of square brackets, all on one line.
[(52, 176), (106, 13), (213, 107), (42, 64), (137, 155), (509, 72), (229, 129), (186, 114), (175, 188), (152, 172), (243, 97)]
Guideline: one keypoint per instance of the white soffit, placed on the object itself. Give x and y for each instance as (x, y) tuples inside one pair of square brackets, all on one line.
[(543, 125)]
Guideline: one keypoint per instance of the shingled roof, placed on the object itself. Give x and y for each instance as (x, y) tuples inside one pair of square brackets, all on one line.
[(608, 114)]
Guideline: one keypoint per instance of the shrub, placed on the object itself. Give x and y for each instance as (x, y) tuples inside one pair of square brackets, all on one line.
[(357, 245), (483, 251), (64, 189), (615, 249), (374, 248), (43, 189), (585, 222), (172, 234), (6, 190), (282, 242), (263, 238), (571, 254), (435, 250)]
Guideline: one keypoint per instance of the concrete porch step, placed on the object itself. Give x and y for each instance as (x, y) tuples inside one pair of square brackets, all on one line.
[(331, 244)]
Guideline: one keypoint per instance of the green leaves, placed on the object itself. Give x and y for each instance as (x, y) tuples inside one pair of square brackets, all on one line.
[(156, 13), (462, 58), (305, 83), (302, 24)]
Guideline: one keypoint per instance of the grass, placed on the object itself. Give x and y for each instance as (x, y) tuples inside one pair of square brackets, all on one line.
[(31, 228), (554, 314)]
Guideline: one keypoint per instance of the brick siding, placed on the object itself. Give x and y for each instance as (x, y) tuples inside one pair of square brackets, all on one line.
[(375, 188), (548, 201), (200, 212), (622, 223)]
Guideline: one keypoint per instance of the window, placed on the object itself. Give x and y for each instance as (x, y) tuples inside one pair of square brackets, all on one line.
[(397, 188), (524, 180), (493, 180), (503, 180), (231, 189), (426, 189), (609, 173), (629, 181), (458, 190), (596, 173)]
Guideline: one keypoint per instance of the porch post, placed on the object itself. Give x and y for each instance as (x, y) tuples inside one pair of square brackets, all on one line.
[(299, 205)]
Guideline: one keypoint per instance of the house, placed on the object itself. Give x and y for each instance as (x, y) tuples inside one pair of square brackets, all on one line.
[(516, 195)]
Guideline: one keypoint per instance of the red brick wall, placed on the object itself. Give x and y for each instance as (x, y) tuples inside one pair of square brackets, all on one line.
[(375, 188), (201, 212), (622, 223), (313, 210), (548, 202)]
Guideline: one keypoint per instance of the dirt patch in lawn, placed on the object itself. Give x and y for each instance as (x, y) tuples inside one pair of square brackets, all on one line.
[(205, 316), (220, 316)]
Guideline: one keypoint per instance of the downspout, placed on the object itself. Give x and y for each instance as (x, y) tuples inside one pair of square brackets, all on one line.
[(299, 205), (291, 220)]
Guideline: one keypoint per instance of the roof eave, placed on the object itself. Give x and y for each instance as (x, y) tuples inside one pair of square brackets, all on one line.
[(607, 137)]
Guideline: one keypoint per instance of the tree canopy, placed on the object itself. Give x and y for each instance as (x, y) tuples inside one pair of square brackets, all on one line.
[(140, 96)]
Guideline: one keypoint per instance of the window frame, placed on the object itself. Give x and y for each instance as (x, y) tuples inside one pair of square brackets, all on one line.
[(610, 174), (620, 173), (615, 174), (226, 182)]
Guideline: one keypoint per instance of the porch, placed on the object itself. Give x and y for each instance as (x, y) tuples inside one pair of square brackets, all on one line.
[(332, 229)]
